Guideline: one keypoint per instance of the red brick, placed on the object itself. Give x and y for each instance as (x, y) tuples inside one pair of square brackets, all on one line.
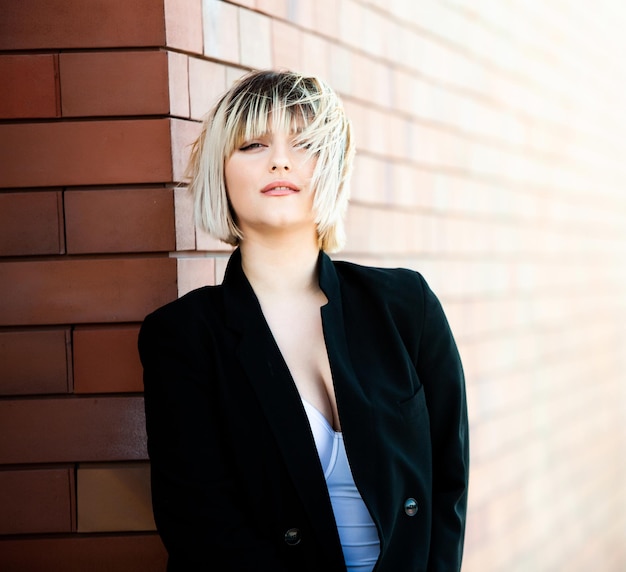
[(83, 291), (194, 273), (221, 30), (114, 497), (34, 362), (132, 553), (207, 82), (286, 45), (65, 430), (36, 501), (276, 8), (185, 228), (255, 35), (314, 54), (44, 24), (95, 371), (247, 3), (114, 83), (120, 220), (184, 133), (183, 25), (31, 223), (85, 152), (325, 18), (29, 86), (302, 13), (178, 79)]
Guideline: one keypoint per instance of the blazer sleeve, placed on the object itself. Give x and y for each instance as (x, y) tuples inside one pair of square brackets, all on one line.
[(196, 507), (440, 370)]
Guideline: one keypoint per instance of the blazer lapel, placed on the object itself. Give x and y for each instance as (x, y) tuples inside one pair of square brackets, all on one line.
[(268, 374), (351, 389)]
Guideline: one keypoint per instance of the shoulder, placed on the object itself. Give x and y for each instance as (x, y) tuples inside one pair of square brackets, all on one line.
[(183, 327), (401, 292), (191, 309), (384, 282)]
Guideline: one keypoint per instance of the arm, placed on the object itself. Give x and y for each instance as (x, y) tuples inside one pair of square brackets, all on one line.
[(196, 506), (439, 368)]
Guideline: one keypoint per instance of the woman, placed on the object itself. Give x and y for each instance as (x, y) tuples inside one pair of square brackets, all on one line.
[(306, 415)]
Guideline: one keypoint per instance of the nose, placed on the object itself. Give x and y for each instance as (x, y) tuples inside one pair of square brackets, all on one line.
[(279, 158), (277, 167)]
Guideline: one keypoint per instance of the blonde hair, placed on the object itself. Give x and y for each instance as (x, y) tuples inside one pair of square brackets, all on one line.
[(260, 102)]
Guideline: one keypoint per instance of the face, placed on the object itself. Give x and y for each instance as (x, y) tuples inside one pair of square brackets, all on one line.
[(268, 185)]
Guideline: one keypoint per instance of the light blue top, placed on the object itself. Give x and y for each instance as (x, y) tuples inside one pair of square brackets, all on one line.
[(357, 531)]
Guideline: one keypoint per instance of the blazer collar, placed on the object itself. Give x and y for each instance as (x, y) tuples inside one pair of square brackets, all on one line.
[(241, 301), (267, 372)]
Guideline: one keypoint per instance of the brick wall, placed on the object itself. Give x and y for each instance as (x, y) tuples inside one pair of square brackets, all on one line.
[(490, 145), (86, 227)]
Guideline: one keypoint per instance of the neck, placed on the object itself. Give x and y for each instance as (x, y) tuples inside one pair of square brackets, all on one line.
[(281, 267)]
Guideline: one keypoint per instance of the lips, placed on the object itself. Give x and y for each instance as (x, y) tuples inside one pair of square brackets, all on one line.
[(278, 188)]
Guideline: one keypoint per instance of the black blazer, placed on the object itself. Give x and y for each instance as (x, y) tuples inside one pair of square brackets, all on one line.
[(236, 480)]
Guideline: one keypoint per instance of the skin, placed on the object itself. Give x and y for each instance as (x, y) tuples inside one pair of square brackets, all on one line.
[(263, 162), (268, 183)]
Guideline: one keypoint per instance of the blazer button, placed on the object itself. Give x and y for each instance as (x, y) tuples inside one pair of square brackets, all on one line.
[(293, 536), (410, 506)]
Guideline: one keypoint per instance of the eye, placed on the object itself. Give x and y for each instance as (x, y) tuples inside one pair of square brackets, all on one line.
[(250, 146)]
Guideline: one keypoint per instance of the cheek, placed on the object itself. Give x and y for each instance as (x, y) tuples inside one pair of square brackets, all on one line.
[(238, 189), (234, 197), (232, 179)]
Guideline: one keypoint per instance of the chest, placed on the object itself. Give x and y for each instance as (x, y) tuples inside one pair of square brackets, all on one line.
[(296, 327)]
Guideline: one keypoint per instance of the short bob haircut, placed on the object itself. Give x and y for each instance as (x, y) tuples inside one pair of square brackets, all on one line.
[(258, 103)]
